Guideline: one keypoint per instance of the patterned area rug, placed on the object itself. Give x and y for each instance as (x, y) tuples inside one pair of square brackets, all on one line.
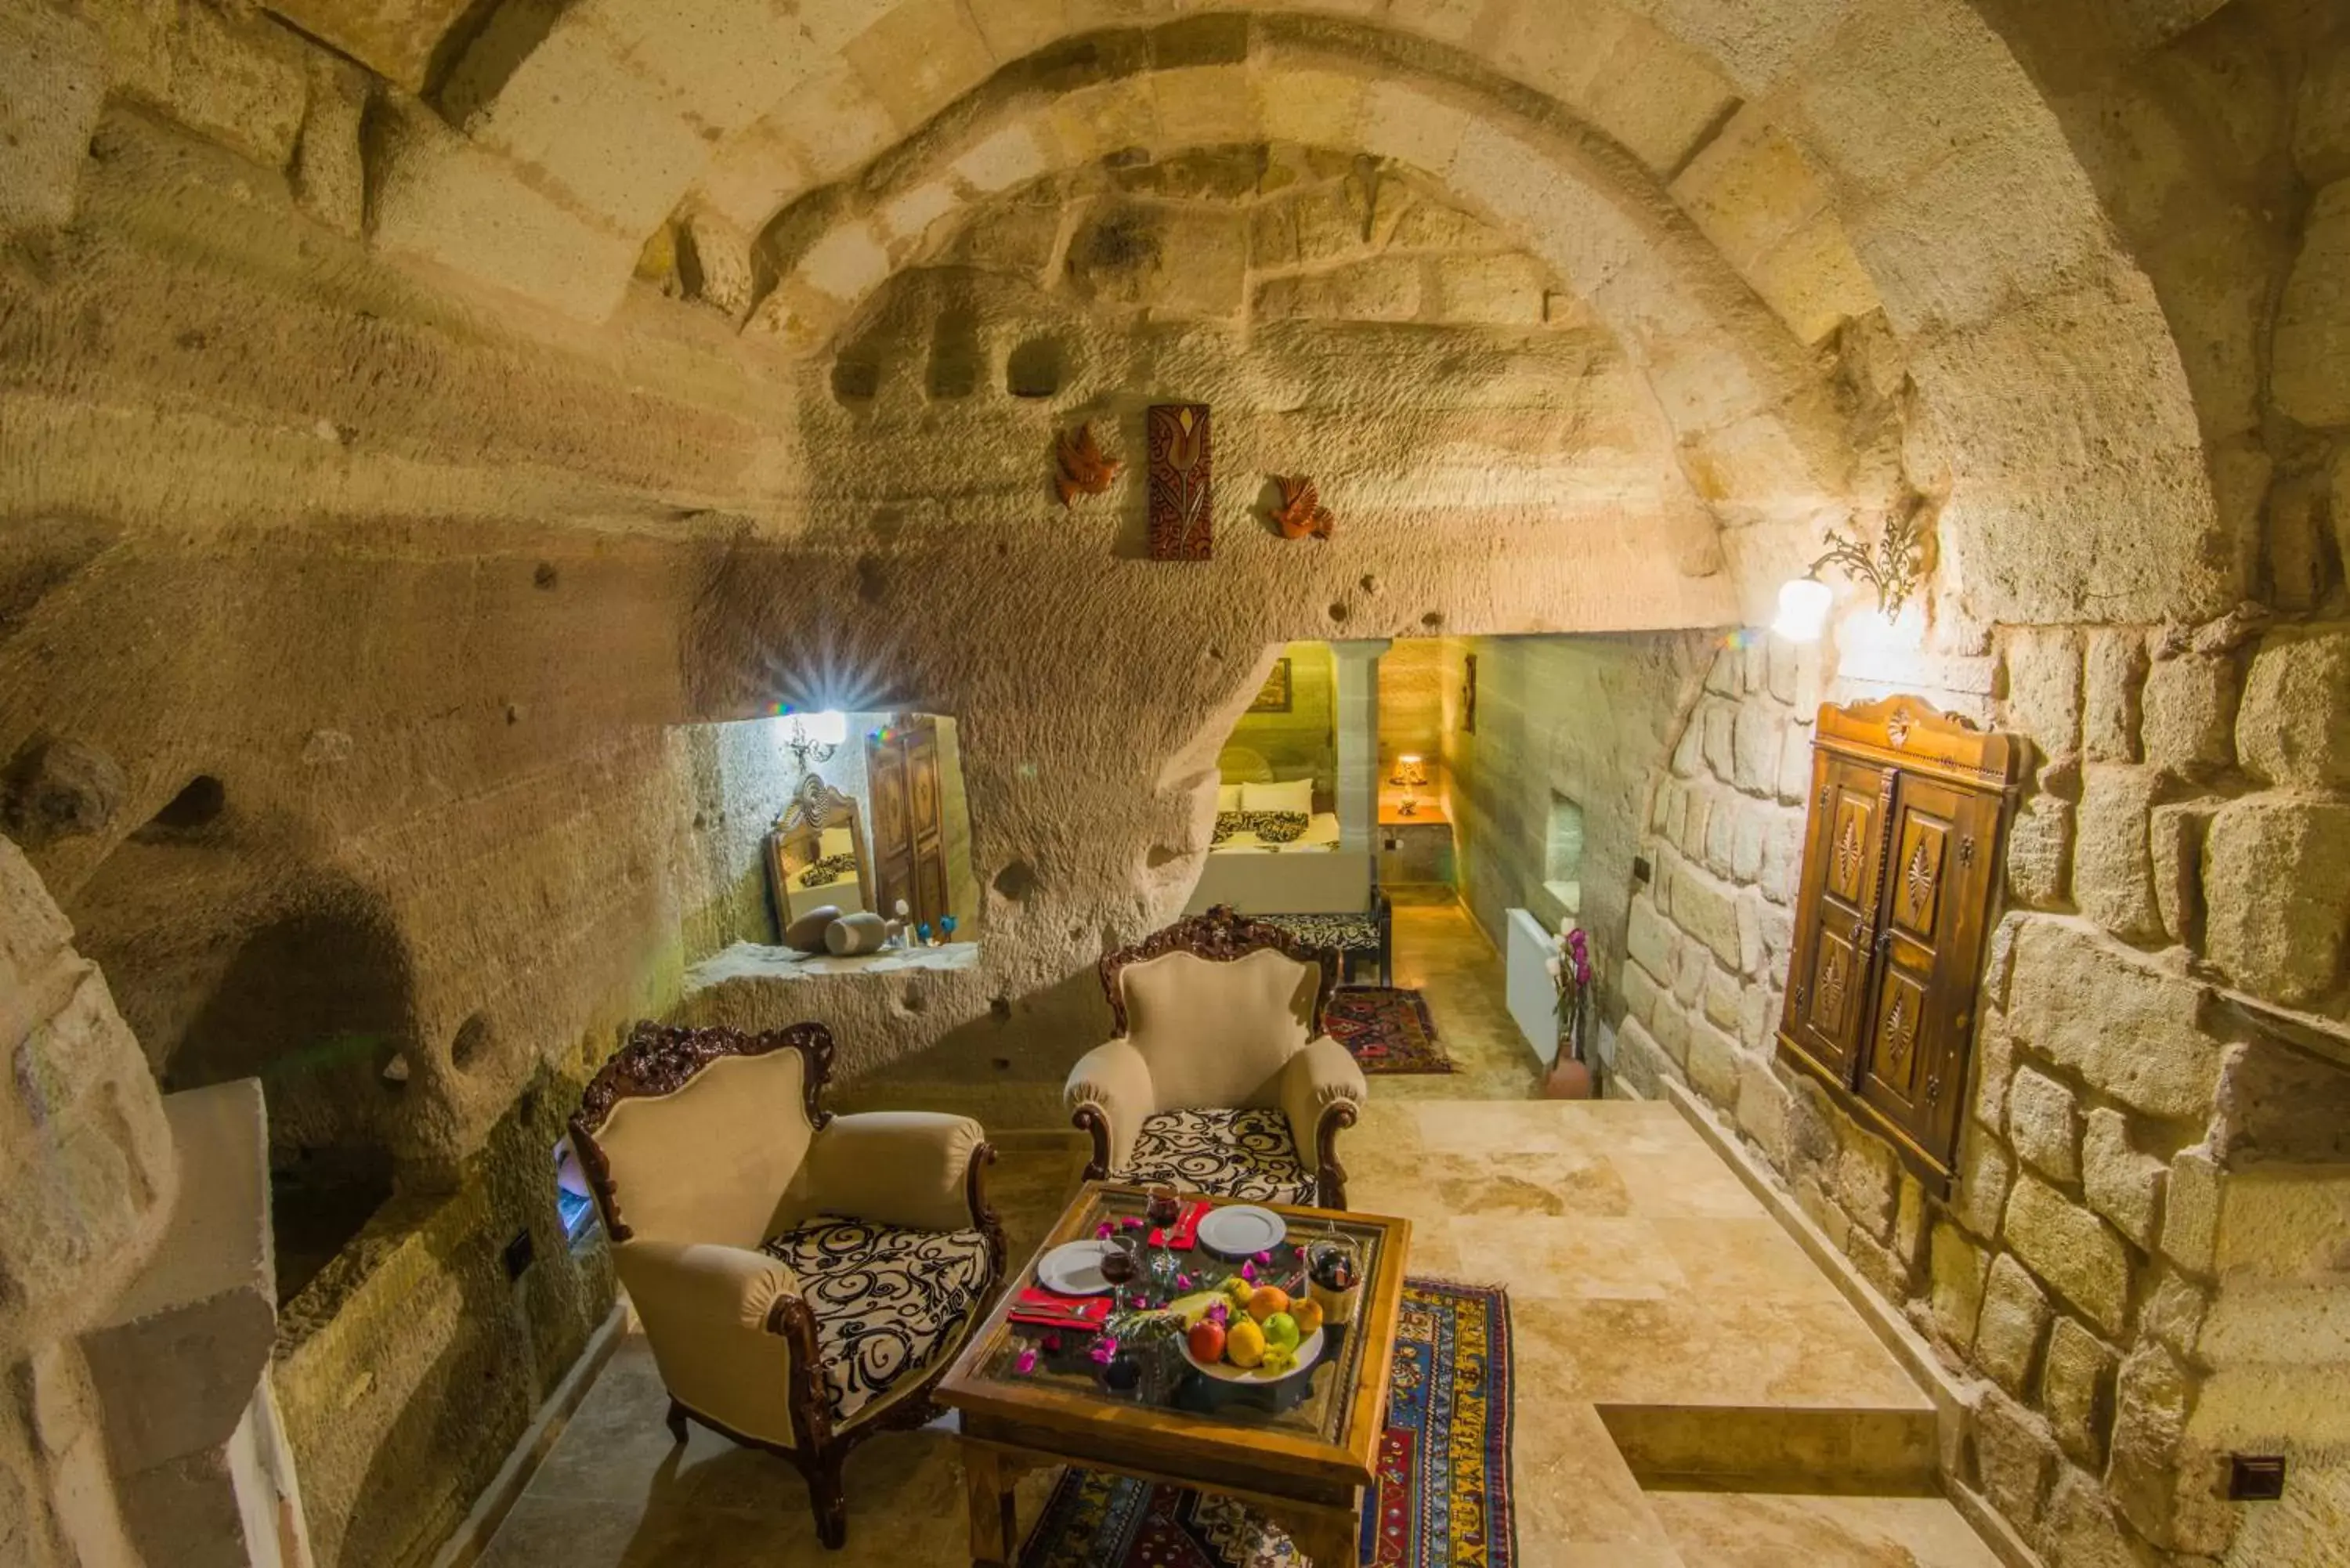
[(1443, 1495), (1387, 1027)]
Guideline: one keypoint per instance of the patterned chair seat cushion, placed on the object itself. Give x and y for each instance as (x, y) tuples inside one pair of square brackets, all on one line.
[(885, 1299), (1231, 1154), (1333, 933)]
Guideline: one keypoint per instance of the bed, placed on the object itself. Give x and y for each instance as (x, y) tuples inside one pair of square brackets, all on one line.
[(1274, 857), (1271, 818)]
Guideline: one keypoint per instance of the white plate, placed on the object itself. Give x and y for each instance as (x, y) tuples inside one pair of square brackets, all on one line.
[(1241, 1230), (1074, 1269), (1309, 1350)]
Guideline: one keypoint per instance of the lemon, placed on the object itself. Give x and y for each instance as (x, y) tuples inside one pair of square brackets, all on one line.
[(1245, 1344)]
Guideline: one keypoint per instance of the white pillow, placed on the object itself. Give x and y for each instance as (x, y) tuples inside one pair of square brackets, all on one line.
[(1227, 797), (1296, 795)]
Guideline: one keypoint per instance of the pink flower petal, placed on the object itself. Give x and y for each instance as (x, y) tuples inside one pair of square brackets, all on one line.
[(1265, 1259), (1182, 1281), (1102, 1231), (1248, 1272), (1026, 1364)]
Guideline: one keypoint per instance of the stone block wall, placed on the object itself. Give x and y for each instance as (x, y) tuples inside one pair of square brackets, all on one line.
[(88, 1179), (1579, 720), (2174, 953)]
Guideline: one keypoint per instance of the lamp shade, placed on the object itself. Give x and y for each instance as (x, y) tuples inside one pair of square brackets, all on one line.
[(827, 727), (1409, 769), (1804, 607)]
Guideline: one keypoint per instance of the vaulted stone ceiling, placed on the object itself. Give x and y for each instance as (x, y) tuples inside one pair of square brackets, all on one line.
[(1724, 184)]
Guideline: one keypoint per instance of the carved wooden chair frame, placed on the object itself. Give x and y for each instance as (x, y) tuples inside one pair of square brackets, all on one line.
[(661, 1059), (1222, 935)]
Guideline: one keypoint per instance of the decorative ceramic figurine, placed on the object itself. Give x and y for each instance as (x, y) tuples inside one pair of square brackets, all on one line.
[(1084, 470), (1301, 512), (946, 928)]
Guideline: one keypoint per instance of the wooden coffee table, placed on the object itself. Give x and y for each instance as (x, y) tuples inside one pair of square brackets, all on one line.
[(1305, 1466)]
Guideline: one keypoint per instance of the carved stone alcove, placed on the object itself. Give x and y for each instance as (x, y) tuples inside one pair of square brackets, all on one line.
[(1900, 862)]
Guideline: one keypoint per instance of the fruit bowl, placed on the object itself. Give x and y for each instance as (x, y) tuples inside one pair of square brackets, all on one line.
[(1309, 1350)]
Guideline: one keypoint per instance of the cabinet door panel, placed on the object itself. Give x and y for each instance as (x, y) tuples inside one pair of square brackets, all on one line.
[(1913, 1062), (893, 854), (1836, 913)]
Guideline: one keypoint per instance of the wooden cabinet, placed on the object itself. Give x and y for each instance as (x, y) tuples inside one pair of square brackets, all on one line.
[(1899, 870), (910, 857)]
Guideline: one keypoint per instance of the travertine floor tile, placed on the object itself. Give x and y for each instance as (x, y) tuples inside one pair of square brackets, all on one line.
[(1730, 1529), (1751, 1259), (1541, 1257), (1686, 1184)]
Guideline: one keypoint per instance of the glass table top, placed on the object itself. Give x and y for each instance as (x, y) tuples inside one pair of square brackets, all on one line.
[(1149, 1369)]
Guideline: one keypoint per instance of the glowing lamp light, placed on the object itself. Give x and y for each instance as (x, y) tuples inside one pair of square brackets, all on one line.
[(1804, 606), (815, 735), (1410, 769)]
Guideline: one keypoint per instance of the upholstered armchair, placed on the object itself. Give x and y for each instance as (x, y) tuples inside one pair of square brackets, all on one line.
[(804, 1279), (1220, 1079)]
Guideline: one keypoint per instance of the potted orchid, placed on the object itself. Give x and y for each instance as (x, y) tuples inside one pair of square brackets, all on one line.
[(1571, 1074)]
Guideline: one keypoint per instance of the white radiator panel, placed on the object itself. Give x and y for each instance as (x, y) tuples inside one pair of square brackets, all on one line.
[(1532, 998)]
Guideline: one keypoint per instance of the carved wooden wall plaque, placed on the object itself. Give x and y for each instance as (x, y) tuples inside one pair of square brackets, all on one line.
[(1901, 864), (1182, 489)]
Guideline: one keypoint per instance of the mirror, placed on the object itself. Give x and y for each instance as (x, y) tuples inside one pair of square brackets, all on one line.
[(816, 854)]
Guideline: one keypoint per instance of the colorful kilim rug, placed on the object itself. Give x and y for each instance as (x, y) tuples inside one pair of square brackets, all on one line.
[(1387, 1027), (1443, 1499)]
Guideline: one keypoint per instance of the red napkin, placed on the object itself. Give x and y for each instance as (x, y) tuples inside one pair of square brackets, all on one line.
[(1186, 1229), (1041, 1308)]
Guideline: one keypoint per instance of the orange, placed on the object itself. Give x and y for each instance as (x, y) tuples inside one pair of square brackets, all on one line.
[(1266, 1301), (1307, 1315)]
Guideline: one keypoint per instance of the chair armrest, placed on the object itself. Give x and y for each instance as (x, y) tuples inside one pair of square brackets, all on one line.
[(716, 1317), (909, 1169), (1110, 1089), (1320, 1087)]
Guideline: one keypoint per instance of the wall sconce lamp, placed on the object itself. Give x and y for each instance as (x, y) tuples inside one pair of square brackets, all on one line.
[(815, 736), (1893, 571)]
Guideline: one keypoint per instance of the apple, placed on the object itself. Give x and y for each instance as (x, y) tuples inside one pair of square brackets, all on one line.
[(1208, 1341)]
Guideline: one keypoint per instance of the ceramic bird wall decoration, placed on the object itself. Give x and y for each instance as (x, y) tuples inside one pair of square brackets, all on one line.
[(1084, 470), (1301, 512)]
